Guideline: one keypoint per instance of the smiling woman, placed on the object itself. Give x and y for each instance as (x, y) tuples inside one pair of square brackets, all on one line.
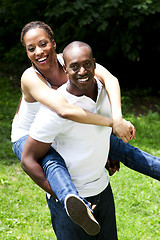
[(40, 49)]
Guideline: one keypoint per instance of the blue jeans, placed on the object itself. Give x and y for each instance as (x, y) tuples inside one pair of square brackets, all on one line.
[(18, 146), (55, 170), (134, 158), (59, 177), (104, 213), (61, 183)]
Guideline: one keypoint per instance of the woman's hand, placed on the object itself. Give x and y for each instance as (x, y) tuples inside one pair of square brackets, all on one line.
[(123, 129)]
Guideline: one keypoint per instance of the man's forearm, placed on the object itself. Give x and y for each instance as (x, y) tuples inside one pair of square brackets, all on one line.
[(36, 173)]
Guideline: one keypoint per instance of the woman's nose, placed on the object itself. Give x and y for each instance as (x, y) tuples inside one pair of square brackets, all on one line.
[(38, 50)]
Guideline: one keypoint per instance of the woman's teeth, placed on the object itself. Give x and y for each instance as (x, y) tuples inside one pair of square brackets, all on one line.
[(42, 59)]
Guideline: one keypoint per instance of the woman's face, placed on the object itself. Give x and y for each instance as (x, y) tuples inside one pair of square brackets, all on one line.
[(40, 49)]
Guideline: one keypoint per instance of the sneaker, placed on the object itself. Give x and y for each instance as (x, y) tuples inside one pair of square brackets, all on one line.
[(79, 213)]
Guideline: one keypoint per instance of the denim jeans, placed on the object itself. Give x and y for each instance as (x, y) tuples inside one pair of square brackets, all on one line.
[(104, 213), (55, 170), (58, 176), (18, 146), (61, 184), (134, 158)]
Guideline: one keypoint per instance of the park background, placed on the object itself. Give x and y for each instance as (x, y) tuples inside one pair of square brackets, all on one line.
[(124, 36)]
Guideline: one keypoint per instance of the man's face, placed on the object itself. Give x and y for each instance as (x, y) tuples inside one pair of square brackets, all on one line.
[(80, 67)]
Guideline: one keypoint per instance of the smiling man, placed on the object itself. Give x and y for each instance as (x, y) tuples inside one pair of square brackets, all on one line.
[(84, 147)]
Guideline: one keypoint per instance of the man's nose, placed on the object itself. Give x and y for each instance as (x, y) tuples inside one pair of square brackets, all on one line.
[(82, 70)]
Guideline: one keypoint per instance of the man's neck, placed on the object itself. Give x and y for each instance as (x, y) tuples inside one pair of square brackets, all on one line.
[(92, 92)]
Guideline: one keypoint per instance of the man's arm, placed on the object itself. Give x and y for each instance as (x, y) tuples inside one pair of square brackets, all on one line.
[(32, 153)]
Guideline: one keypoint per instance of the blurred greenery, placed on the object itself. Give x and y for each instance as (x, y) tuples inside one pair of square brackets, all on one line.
[(121, 33)]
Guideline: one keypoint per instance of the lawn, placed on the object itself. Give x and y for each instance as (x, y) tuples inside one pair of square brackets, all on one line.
[(24, 213)]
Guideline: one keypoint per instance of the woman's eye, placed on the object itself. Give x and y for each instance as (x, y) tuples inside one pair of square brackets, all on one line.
[(31, 49), (43, 44)]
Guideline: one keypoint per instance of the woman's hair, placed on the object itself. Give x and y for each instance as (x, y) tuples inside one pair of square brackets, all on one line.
[(36, 24)]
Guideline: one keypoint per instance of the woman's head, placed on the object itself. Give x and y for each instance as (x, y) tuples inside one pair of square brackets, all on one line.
[(37, 37), (36, 24)]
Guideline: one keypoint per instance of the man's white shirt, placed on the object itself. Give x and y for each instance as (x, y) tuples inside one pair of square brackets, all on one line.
[(84, 147)]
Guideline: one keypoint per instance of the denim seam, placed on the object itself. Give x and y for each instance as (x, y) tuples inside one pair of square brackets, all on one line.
[(123, 156), (18, 149)]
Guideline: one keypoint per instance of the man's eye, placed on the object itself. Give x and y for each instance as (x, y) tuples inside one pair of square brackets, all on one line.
[(88, 64), (74, 67)]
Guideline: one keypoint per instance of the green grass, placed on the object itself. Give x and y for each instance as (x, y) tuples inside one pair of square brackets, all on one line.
[(24, 213)]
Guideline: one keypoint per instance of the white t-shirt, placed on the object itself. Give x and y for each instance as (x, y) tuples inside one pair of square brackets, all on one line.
[(84, 147)]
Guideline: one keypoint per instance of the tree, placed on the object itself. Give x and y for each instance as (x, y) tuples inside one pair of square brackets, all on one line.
[(115, 29)]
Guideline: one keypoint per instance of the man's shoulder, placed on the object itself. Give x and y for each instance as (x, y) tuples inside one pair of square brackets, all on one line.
[(47, 122)]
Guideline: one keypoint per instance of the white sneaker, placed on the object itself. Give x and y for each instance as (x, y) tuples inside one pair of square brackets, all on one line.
[(79, 213)]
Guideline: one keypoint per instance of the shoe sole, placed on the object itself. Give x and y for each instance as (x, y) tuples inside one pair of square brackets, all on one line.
[(78, 213)]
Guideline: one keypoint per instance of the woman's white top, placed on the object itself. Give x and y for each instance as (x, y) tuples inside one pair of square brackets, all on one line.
[(27, 112)]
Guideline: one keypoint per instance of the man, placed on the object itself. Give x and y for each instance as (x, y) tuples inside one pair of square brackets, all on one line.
[(84, 147)]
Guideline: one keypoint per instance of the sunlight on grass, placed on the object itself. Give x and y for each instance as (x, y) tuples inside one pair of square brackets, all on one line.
[(24, 213)]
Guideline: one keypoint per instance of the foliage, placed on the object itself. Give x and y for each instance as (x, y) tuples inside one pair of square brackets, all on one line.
[(118, 26)]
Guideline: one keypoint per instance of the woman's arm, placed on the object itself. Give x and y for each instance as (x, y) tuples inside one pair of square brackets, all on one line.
[(34, 85), (122, 128)]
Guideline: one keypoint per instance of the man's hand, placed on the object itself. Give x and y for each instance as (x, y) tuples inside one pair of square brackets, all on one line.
[(112, 166), (123, 129)]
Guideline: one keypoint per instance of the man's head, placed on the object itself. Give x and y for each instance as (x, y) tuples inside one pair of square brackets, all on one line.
[(80, 66)]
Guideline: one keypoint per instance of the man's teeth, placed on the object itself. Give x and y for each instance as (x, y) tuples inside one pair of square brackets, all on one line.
[(42, 59), (83, 79)]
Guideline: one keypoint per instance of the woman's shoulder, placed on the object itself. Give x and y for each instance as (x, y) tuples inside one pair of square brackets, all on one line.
[(29, 71), (31, 76)]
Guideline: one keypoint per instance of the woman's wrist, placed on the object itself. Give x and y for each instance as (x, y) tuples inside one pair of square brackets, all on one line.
[(123, 129)]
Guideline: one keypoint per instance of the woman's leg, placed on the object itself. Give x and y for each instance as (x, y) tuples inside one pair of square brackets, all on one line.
[(61, 184), (57, 175), (77, 208), (134, 158), (55, 170), (18, 146)]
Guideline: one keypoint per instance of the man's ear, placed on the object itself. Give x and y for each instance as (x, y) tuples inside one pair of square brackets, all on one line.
[(94, 61)]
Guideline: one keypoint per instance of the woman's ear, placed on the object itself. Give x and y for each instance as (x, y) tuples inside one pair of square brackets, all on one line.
[(65, 69), (54, 44)]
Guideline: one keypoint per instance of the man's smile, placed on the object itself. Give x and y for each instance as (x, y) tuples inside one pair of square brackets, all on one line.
[(85, 79)]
